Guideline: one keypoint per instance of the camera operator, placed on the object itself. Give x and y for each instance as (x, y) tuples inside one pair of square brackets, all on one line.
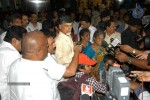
[(128, 36)]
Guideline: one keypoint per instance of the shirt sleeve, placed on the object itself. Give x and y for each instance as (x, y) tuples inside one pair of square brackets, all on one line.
[(97, 86), (138, 92), (55, 70)]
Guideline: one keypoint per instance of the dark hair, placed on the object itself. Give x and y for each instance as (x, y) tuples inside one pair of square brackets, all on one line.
[(14, 32), (14, 17), (47, 24), (24, 14), (80, 66), (48, 33), (134, 21), (97, 33), (85, 18), (104, 14), (108, 57), (83, 31), (108, 23), (65, 19), (56, 23), (32, 13)]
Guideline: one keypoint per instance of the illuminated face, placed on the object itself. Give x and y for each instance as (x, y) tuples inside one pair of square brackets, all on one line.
[(16, 22), (33, 18), (66, 28), (87, 69), (84, 24), (25, 20), (86, 37), (112, 27), (99, 39)]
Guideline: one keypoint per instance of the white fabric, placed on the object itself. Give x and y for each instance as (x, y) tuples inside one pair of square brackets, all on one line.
[(146, 96), (64, 49), (31, 28), (56, 71), (2, 36), (8, 54), (113, 35), (43, 77), (92, 30), (75, 27)]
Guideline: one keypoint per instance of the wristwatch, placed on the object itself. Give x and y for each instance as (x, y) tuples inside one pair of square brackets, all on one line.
[(133, 51)]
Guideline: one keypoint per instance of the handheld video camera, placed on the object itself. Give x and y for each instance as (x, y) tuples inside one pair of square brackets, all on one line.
[(119, 86)]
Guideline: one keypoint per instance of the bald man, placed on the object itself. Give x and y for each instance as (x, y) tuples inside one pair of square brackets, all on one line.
[(32, 77)]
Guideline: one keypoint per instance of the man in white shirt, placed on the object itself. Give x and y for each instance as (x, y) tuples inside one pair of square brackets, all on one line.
[(85, 22), (64, 44), (110, 31), (35, 76), (33, 24), (9, 52), (15, 20)]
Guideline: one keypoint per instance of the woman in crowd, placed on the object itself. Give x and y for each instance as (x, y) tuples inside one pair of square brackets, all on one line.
[(97, 52), (84, 39)]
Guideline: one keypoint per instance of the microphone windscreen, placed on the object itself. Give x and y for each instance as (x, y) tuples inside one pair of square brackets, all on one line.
[(104, 44)]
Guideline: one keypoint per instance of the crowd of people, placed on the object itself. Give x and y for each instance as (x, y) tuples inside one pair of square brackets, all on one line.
[(36, 53)]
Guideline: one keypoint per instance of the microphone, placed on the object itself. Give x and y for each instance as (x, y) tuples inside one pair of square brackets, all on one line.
[(104, 44), (85, 97)]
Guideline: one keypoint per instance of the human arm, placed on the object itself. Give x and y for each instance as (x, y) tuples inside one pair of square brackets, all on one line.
[(122, 57), (142, 75), (97, 86), (71, 69), (129, 49)]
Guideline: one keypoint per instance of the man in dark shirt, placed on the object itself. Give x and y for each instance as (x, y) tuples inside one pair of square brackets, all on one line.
[(105, 16), (129, 36)]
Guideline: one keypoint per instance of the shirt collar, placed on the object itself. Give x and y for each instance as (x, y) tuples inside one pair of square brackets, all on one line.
[(64, 35)]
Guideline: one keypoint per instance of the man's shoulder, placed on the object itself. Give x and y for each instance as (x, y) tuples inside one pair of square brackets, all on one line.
[(40, 24), (60, 38), (4, 33), (117, 33), (7, 50), (126, 31), (2, 36)]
